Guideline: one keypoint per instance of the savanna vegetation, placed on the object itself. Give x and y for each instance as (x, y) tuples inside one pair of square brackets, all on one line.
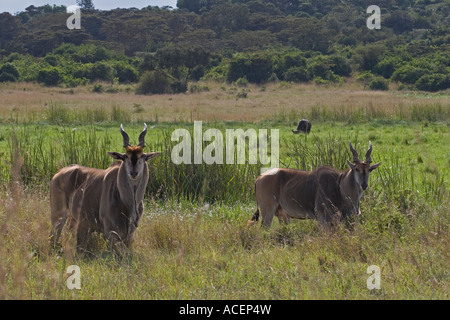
[(233, 65), (193, 241)]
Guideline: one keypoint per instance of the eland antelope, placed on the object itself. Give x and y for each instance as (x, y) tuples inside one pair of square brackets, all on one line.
[(324, 194), (107, 201)]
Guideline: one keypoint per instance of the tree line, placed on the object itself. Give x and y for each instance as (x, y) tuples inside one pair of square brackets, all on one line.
[(231, 40)]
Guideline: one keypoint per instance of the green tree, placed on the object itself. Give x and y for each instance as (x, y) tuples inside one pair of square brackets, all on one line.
[(409, 74), (154, 82), (379, 83), (102, 71), (8, 72), (433, 82), (50, 76), (180, 61), (298, 74), (86, 4), (256, 68)]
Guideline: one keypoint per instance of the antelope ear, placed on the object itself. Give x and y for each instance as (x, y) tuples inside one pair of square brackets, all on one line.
[(117, 155), (351, 165), (150, 155), (374, 166)]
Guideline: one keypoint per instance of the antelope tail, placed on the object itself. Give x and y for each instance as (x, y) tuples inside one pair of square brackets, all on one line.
[(254, 219)]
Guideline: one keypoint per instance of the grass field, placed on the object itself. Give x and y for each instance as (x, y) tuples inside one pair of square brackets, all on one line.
[(192, 242)]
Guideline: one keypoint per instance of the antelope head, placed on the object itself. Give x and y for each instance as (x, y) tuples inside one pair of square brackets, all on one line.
[(360, 168), (134, 159)]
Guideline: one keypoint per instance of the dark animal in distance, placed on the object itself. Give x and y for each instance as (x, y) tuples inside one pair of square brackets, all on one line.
[(303, 125)]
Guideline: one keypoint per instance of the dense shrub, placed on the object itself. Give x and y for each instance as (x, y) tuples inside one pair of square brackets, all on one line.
[(8, 72), (242, 82), (408, 74), (433, 82), (51, 60), (154, 82), (256, 68), (386, 67), (340, 66), (7, 77), (178, 86), (125, 73), (102, 71), (50, 76), (366, 57), (298, 74), (379, 83), (294, 60)]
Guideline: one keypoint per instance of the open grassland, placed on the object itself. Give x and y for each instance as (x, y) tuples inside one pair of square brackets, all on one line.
[(218, 102), (192, 242)]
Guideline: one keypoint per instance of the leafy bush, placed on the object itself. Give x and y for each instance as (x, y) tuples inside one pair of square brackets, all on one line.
[(195, 88), (102, 71), (365, 78), (7, 77), (97, 88), (51, 60), (386, 67), (124, 72), (242, 82), (8, 72), (69, 81), (256, 68), (298, 74), (10, 68), (366, 57), (50, 76), (433, 82), (178, 86), (379, 83), (408, 74), (340, 66), (154, 82), (294, 60)]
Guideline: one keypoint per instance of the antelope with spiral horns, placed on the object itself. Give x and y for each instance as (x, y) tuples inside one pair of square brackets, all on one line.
[(107, 201), (324, 194)]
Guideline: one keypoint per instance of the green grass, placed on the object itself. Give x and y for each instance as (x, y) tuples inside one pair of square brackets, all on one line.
[(189, 255), (193, 243)]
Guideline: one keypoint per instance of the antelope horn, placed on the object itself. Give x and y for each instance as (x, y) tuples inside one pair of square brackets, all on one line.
[(355, 154), (142, 136), (368, 159), (126, 139)]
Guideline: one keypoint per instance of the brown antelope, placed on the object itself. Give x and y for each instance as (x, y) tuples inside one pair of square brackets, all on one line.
[(324, 194), (107, 201)]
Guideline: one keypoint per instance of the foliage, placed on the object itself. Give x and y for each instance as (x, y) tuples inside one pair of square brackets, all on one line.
[(192, 241), (8, 72), (49, 76), (433, 82), (256, 68), (378, 83), (154, 82), (297, 41), (85, 4)]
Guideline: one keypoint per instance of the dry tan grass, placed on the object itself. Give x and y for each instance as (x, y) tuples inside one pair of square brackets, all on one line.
[(186, 251), (26, 101)]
